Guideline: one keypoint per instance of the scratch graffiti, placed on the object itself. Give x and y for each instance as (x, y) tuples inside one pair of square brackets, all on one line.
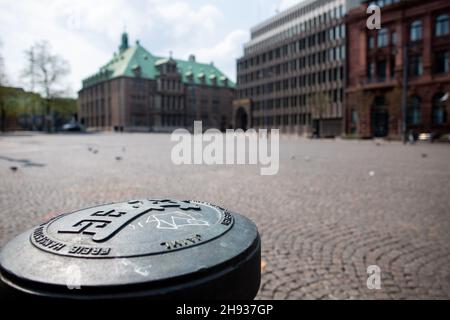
[(175, 220)]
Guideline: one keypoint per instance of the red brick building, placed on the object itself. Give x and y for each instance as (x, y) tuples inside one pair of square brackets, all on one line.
[(376, 61)]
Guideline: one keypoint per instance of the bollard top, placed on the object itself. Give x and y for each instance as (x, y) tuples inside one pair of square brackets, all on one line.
[(150, 248)]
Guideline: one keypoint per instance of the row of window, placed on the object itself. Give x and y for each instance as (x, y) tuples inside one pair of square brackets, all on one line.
[(203, 99), (382, 39), (177, 85), (335, 12), (292, 119), (99, 89), (138, 97), (171, 102), (378, 70), (294, 83), (172, 120), (140, 119), (169, 85), (438, 111), (331, 96), (95, 113), (305, 26), (382, 3), (96, 107), (213, 79), (169, 67), (287, 50), (441, 28), (98, 121), (333, 54)]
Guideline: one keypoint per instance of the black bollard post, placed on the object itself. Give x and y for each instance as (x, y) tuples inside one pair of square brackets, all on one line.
[(136, 250)]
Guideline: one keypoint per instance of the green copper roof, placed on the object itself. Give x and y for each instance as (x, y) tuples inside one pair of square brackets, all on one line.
[(126, 63)]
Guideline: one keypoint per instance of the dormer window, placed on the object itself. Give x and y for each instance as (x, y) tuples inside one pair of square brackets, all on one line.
[(190, 76), (202, 77), (224, 81), (213, 79), (136, 70)]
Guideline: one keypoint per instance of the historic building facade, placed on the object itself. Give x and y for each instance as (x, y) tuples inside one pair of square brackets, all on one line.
[(410, 51), (292, 73), (137, 91)]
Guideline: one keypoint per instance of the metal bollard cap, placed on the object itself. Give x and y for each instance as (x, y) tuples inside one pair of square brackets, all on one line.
[(141, 249)]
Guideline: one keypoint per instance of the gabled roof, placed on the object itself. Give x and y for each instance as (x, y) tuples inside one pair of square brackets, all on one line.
[(123, 64)]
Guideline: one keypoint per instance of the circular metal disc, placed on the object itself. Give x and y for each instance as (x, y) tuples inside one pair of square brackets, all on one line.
[(143, 248), (135, 228)]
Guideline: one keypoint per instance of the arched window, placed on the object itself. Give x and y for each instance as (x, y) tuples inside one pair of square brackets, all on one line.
[(439, 109), (414, 112), (441, 25), (415, 30)]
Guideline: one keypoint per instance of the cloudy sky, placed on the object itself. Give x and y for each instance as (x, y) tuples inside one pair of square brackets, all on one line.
[(86, 33)]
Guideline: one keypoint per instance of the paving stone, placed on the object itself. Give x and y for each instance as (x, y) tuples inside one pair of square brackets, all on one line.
[(322, 222)]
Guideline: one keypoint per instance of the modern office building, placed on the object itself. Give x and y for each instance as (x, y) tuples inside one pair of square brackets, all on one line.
[(137, 91), (292, 73), (411, 52)]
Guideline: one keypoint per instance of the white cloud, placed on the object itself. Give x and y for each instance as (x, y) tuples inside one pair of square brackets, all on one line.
[(225, 53), (86, 33), (185, 21)]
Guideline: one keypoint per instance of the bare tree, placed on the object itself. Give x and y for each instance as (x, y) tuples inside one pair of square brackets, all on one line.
[(29, 74), (2, 68), (45, 73)]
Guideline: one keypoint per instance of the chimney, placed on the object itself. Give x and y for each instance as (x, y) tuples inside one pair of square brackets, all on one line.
[(192, 58)]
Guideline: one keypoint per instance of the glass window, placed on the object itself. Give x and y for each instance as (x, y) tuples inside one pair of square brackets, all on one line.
[(416, 65), (371, 71), (441, 26), (331, 34), (381, 70), (415, 30), (371, 42), (382, 38), (439, 112), (414, 113), (392, 66), (394, 38), (441, 62)]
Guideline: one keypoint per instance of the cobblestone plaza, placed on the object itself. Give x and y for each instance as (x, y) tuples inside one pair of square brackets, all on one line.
[(335, 207)]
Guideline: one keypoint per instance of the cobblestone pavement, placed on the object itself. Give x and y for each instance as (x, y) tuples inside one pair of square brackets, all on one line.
[(335, 207)]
